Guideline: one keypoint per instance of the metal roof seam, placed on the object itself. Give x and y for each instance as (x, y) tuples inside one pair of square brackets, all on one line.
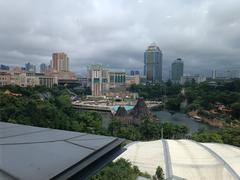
[(167, 157), (53, 153), (79, 145), (91, 155), (84, 134), (22, 134), (221, 160), (87, 139)]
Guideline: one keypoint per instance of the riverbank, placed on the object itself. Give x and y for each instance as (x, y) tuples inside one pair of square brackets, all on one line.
[(211, 122), (181, 119)]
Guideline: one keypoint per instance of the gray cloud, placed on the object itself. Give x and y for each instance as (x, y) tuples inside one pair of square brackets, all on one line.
[(205, 33)]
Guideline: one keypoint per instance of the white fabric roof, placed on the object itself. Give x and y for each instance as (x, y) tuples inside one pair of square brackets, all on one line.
[(186, 159)]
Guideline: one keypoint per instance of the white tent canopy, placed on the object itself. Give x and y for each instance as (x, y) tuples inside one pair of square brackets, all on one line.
[(186, 159)]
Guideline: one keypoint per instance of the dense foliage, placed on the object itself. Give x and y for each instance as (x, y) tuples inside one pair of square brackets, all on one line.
[(147, 130), (202, 98), (160, 92), (156, 91), (226, 135), (45, 107), (120, 170), (52, 108), (206, 95)]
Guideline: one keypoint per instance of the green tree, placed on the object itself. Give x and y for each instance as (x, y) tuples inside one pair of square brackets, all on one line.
[(119, 170), (235, 109), (159, 173)]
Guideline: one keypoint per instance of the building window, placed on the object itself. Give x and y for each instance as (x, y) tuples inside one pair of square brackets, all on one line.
[(96, 80), (111, 78)]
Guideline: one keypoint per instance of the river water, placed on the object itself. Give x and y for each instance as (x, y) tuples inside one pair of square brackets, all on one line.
[(181, 119), (165, 116)]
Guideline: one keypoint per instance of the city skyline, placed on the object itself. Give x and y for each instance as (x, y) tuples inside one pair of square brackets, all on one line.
[(204, 33)]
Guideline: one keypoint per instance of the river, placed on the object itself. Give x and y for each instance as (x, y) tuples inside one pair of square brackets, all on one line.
[(181, 119), (165, 116)]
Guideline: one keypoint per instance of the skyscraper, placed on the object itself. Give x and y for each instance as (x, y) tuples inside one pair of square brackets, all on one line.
[(177, 70), (43, 68), (60, 62), (214, 74), (98, 79), (153, 64), (30, 67)]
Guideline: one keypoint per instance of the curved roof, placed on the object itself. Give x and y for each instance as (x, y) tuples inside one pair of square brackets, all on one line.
[(186, 159)]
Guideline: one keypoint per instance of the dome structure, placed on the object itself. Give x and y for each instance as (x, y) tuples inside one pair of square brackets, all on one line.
[(186, 159)]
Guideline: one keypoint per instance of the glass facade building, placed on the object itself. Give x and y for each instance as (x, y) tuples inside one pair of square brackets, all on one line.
[(153, 64), (177, 70)]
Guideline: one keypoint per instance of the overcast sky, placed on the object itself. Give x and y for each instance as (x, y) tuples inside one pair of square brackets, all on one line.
[(204, 33)]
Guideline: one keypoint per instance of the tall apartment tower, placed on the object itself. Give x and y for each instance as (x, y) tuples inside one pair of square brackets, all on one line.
[(43, 68), (177, 70), (153, 64), (98, 79), (214, 74), (30, 67), (60, 62)]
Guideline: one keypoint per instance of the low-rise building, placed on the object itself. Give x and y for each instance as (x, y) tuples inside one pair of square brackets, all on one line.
[(117, 79), (48, 81), (5, 78), (102, 81), (18, 78), (24, 78), (83, 81), (192, 79), (135, 79)]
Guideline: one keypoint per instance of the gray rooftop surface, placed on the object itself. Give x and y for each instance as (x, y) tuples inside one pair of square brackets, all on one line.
[(28, 152)]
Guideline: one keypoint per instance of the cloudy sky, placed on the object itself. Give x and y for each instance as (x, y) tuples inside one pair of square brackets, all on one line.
[(204, 33)]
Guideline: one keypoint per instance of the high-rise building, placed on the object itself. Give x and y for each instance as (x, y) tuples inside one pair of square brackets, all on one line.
[(153, 64), (60, 62), (30, 67), (98, 80), (103, 81), (214, 74), (177, 70), (43, 68)]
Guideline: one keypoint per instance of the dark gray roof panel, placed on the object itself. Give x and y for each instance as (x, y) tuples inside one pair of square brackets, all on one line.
[(10, 130), (4, 125), (28, 152), (92, 143), (92, 136), (40, 161), (39, 136), (17, 131)]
